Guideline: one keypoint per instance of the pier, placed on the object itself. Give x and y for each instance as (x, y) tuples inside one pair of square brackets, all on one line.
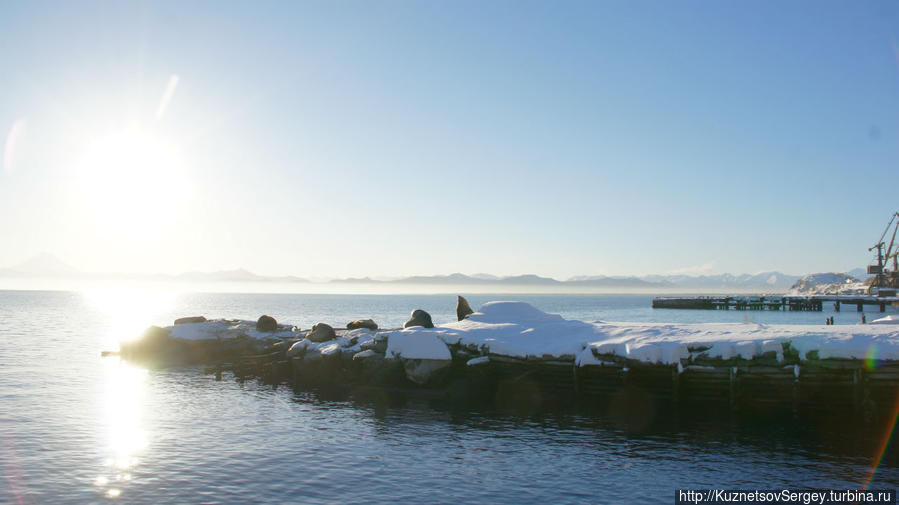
[(813, 303), (779, 381), (513, 353)]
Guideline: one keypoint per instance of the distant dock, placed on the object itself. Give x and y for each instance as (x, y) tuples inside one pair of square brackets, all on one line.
[(813, 303)]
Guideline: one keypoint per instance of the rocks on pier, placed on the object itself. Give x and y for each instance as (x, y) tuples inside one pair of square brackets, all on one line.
[(266, 323), (419, 318), (362, 323), (321, 332)]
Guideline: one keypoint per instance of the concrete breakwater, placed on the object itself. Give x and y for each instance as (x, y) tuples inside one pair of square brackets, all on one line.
[(512, 352)]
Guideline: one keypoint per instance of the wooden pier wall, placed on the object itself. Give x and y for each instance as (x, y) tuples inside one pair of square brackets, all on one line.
[(866, 389), (792, 303)]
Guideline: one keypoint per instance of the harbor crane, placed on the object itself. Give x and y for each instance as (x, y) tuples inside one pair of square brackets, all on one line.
[(884, 278)]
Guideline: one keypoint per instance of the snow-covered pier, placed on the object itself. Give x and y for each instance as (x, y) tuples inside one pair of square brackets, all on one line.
[(800, 303), (511, 350)]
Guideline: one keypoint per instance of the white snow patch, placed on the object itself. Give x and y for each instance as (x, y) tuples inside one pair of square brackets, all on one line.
[(412, 344), (480, 360), (828, 284), (297, 348), (586, 357), (728, 340), (886, 320)]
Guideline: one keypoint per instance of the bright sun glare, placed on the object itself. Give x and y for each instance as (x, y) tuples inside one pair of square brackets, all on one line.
[(128, 310), (130, 183)]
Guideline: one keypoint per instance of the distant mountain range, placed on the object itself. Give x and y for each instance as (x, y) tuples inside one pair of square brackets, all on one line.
[(49, 266), (238, 275), (42, 265), (770, 281)]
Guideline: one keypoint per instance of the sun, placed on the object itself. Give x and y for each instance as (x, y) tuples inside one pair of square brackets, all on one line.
[(130, 183)]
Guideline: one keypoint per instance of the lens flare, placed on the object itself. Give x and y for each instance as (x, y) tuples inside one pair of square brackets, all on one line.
[(167, 96), (871, 358), (886, 439), (12, 144)]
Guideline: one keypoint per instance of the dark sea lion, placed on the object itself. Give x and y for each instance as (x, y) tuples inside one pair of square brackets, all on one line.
[(463, 309)]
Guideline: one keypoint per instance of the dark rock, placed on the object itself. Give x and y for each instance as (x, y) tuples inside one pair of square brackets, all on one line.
[(463, 309), (362, 323), (191, 319), (419, 318), (266, 323), (321, 332)]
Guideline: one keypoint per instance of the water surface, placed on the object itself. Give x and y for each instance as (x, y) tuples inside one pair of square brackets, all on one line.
[(78, 428)]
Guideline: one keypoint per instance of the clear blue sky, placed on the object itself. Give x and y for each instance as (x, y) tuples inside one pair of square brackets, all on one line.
[(393, 138)]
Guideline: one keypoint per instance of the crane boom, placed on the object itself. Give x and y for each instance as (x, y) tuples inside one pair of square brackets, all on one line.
[(890, 223), (892, 241), (885, 230)]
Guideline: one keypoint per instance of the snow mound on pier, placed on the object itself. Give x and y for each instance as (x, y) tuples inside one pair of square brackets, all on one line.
[(668, 343), (516, 329), (519, 312), (519, 330)]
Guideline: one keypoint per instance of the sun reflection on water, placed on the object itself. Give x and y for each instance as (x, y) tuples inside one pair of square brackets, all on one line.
[(127, 312), (125, 437)]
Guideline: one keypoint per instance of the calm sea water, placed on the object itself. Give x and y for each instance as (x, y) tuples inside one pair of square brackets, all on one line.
[(78, 428)]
